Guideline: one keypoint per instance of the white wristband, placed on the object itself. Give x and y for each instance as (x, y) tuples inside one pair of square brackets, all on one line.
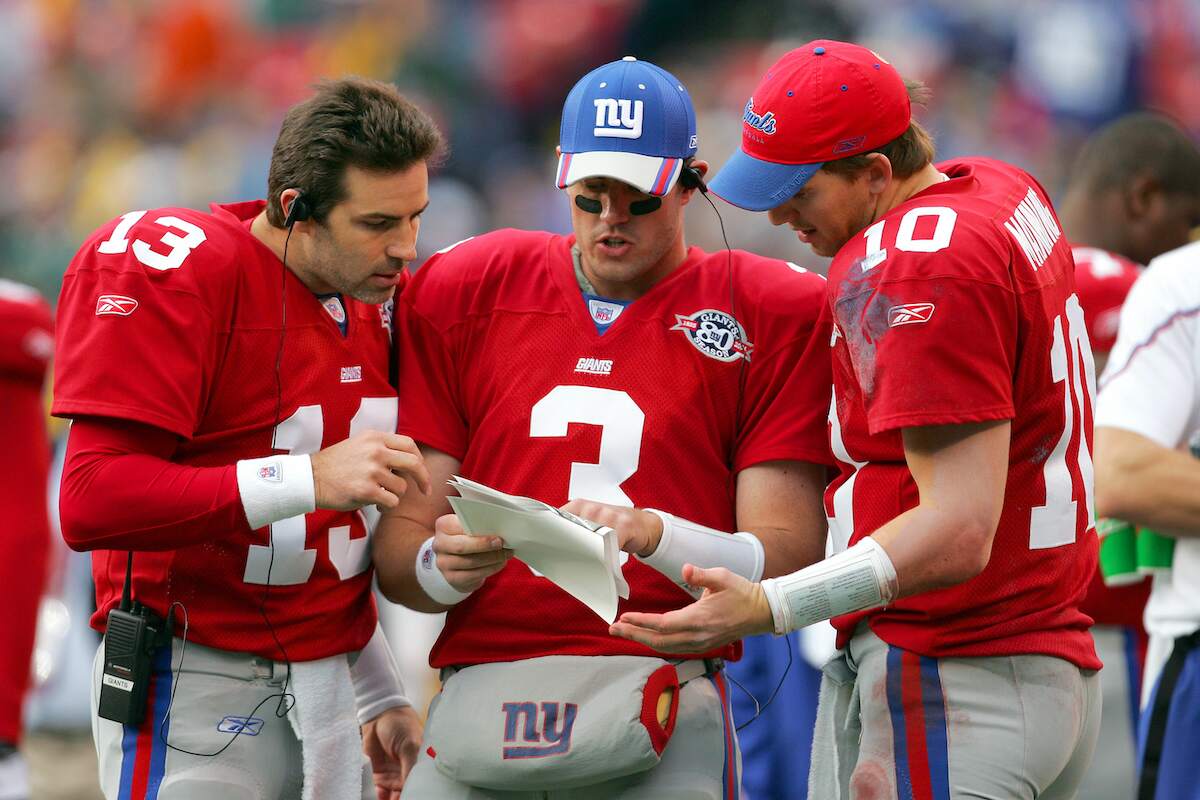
[(275, 488), (686, 542), (376, 678), (855, 579), (432, 581)]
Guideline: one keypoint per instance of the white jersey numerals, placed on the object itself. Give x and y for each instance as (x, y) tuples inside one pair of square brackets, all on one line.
[(940, 239), (621, 423), (841, 523), (1053, 523), (286, 560), (181, 246)]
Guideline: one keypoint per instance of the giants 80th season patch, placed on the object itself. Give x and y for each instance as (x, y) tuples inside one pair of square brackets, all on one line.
[(716, 334)]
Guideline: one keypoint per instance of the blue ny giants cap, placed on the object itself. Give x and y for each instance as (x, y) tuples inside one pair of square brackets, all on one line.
[(629, 120)]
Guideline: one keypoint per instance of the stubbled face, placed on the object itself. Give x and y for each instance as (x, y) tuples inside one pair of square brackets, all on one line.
[(623, 253), (827, 211), (362, 245), (1169, 222)]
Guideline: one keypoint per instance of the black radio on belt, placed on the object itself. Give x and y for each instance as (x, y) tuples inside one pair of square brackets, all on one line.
[(132, 636)]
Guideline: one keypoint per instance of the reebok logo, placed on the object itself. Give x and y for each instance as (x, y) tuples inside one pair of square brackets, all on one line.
[(618, 118), (909, 314), (845, 145), (245, 726), (115, 305), (595, 366), (351, 374)]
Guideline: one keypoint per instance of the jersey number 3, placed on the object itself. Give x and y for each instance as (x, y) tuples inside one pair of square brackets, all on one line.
[(621, 423)]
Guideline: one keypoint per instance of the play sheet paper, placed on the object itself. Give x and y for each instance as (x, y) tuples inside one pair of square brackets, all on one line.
[(580, 557)]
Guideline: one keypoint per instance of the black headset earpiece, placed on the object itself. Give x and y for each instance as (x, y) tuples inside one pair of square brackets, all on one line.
[(298, 212), (689, 178)]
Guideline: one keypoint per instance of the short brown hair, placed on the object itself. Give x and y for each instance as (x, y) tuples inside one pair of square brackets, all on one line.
[(1138, 144), (348, 122), (909, 152)]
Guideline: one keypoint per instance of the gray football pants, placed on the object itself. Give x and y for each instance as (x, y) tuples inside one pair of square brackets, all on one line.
[(216, 696), (700, 762), (892, 724)]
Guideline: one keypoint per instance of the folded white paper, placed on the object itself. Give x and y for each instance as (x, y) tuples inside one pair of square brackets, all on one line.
[(579, 556)]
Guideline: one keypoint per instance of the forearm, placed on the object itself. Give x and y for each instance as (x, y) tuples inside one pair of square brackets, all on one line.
[(1145, 484), (780, 503), (789, 549), (376, 678), (394, 549), (932, 549), (919, 551), (144, 502)]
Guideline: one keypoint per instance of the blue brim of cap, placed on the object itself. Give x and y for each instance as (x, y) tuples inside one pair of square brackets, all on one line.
[(757, 185)]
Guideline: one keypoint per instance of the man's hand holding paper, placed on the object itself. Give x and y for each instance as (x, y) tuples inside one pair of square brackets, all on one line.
[(467, 561), (638, 531), (579, 556)]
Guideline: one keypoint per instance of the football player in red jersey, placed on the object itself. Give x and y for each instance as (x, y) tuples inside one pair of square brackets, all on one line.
[(961, 523), (1134, 194), (227, 375), (616, 368), (26, 344)]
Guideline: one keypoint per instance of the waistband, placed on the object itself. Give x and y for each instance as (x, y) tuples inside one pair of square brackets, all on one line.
[(687, 669)]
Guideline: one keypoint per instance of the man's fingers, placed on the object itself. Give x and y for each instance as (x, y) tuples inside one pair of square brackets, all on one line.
[(674, 643), (449, 524), (711, 578), (391, 482), (383, 498), (412, 466), (652, 622), (448, 562), (444, 543)]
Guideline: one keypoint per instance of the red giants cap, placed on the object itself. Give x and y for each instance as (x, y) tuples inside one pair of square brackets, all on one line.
[(822, 101)]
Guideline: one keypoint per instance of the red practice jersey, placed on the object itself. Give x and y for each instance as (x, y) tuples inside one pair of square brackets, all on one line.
[(26, 345), (959, 306), (1102, 280), (176, 318), (505, 371)]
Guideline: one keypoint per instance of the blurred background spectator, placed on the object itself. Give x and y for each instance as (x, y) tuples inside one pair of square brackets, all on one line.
[(112, 105)]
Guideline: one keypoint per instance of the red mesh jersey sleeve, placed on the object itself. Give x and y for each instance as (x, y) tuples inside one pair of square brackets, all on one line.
[(139, 337), (785, 400), (120, 491), (431, 411)]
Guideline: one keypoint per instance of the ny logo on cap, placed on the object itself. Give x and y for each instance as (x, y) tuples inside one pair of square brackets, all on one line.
[(619, 118)]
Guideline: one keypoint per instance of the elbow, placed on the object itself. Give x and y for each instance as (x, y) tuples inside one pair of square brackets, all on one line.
[(387, 585), (75, 531), (76, 522), (387, 575), (970, 554)]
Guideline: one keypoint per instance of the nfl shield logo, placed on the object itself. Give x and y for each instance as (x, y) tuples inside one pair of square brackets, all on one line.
[(604, 312), (270, 472)]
